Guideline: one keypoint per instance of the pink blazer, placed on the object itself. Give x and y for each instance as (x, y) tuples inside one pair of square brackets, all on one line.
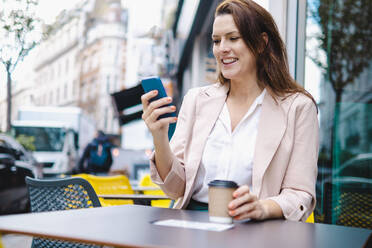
[(285, 158)]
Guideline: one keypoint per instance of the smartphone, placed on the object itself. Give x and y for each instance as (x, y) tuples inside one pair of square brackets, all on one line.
[(154, 83)]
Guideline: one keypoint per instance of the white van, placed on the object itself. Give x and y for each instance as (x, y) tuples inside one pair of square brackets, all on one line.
[(58, 133)]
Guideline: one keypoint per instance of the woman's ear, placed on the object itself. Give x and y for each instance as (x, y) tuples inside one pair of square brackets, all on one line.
[(265, 38)]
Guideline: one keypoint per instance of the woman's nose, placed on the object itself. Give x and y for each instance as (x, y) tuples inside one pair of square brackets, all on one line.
[(224, 46)]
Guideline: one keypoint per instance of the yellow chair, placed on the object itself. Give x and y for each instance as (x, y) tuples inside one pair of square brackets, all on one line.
[(310, 219), (1, 243), (146, 182), (109, 185)]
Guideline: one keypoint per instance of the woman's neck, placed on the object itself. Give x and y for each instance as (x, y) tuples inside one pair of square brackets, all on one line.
[(244, 90)]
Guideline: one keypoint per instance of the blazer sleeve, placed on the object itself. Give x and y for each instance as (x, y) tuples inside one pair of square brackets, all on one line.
[(175, 182), (297, 197)]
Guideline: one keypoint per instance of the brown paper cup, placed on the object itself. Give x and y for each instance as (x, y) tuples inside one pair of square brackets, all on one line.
[(219, 196)]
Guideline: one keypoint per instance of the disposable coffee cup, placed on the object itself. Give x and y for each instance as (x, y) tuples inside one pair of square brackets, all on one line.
[(220, 194)]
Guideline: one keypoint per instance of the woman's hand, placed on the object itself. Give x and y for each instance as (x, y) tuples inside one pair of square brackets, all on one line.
[(247, 206), (152, 111)]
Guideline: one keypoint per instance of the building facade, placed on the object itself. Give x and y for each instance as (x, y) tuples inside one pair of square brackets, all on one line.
[(83, 60), (151, 53)]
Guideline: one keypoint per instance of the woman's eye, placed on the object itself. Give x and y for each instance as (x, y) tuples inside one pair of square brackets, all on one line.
[(216, 41), (234, 38)]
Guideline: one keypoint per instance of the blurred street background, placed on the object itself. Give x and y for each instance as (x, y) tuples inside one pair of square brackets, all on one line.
[(74, 66)]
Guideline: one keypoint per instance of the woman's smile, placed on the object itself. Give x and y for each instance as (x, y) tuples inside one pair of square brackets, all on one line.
[(229, 61)]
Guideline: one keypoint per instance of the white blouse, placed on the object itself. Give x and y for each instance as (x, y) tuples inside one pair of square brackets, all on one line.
[(229, 155)]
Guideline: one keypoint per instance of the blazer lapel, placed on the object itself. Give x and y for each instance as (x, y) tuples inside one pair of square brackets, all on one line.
[(208, 108), (268, 139), (209, 104)]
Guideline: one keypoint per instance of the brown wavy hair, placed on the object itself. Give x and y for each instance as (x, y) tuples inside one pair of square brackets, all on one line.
[(252, 21)]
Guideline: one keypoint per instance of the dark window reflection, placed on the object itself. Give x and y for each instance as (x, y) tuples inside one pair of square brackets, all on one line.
[(339, 50), (47, 139)]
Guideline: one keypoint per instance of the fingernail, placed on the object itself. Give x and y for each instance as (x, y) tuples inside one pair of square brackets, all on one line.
[(173, 108), (154, 92), (169, 99), (175, 118)]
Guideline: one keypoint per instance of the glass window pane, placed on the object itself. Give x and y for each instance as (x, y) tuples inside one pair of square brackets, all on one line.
[(338, 72)]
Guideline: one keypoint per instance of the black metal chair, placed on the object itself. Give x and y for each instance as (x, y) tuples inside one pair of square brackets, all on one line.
[(352, 206), (60, 194)]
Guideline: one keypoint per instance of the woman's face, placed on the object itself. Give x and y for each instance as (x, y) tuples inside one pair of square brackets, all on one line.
[(235, 60)]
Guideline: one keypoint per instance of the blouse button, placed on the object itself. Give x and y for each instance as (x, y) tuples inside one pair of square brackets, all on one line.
[(301, 207)]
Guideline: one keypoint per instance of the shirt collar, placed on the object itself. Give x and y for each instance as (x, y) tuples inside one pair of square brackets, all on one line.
[(261, 97)]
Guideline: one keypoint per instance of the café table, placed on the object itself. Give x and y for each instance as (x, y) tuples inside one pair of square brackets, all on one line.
[(140, 189), (137, 198), (132, 226)]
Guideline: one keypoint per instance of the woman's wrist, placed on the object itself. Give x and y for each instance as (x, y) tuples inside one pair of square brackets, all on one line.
[(163, 155), (271, 209)]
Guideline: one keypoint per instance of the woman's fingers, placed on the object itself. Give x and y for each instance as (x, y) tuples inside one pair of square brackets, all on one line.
[(245, 205), (244, 189), (162, 122), (159, 103), (252, 210), (145, 98), (243, 209), (243, 199), (160, 111), (153, 109), (148, 107), (153, 121), (253, 214), (240, 195)]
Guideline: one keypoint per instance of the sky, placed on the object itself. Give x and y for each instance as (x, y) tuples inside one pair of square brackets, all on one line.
[(48, 10)]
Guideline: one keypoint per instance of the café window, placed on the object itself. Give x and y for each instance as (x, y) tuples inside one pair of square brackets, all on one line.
[(338, 72)]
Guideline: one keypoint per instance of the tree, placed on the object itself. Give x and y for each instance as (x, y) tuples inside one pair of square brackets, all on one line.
[(346, 40), (20, 32)]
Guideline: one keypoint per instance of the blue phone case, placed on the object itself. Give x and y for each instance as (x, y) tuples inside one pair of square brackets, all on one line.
[(154, 83)]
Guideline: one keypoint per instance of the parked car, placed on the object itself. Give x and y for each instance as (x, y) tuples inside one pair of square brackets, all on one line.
[(358, 168), (15, 164)]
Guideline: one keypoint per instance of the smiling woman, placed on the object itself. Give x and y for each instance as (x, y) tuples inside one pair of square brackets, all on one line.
[(256, 126)]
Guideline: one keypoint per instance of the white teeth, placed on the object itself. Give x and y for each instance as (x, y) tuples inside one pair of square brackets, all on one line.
[(227, 61)]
